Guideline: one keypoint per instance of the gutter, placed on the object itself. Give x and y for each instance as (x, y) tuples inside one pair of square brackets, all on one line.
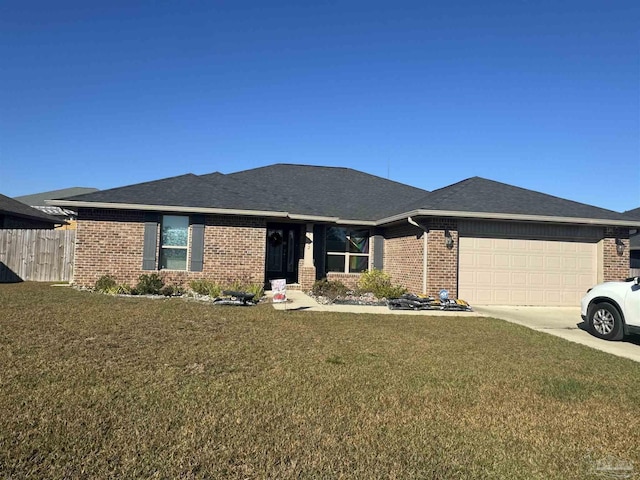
[(338, 220), (219, 211), (511, 217)]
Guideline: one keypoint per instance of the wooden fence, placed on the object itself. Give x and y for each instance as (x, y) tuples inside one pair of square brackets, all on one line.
[(37, 255)]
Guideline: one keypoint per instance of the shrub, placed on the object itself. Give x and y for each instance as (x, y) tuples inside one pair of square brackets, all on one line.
[(379, 283), (256, 288), (122, 289), (329, 288), (149, 284), (105, 283), (168, 290), (206, 287)]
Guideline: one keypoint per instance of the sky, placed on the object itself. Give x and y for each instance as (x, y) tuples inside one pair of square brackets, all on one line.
[(540, 94)]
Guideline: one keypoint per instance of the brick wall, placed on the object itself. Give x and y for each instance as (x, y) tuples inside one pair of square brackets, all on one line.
[(403, 254), (306, 273), (614, 266), (442, 262), (350, 280), (108, 242), (111, 242)]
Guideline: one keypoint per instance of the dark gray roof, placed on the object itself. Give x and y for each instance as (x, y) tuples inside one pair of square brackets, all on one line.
[(182, 191), (340, 192), (299, 189), (332, 191), (635, 213), (487, 196), (9, 206), (38, 199)]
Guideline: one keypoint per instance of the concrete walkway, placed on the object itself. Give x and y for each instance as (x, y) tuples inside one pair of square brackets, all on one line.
[(564, 322)]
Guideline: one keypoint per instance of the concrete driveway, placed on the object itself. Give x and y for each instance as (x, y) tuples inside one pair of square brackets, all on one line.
[(564, 322)]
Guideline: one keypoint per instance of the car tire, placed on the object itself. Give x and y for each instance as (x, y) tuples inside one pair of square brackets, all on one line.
[(605, 322)]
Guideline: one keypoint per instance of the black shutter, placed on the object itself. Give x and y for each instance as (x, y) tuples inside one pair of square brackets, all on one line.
[(197, 243), (319, 250), (150, 248), (378, 252)]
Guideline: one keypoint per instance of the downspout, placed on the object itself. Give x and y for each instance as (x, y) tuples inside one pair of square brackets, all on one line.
[(424, 254)]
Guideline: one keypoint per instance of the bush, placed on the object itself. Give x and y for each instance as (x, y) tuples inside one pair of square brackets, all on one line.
[(379, 283), (171, 290), (122, 289), (329, 288), (213, 289), (256, 288), (206, 287), (105, 283), (149, 284)]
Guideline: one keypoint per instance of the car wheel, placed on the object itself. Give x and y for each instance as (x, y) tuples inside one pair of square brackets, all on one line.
[(605, 322)]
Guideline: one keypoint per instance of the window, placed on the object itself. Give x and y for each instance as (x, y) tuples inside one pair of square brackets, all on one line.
[(347, 250), (173, 242)]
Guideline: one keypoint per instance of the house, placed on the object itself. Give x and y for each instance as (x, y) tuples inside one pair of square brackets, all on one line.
[(484, 241), (634, 241), (14, 214), (67, 217)]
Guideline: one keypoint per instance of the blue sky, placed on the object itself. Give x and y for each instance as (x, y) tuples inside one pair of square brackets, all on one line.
[(540, 94)]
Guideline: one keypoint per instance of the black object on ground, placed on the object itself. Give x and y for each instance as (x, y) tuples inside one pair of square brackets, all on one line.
[(409, 301), (235, 298)]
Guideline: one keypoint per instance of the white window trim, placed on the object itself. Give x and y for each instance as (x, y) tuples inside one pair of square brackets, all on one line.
[(347, 254), (175, 247)]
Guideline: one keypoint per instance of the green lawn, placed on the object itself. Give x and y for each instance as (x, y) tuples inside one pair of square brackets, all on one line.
[(93, 386)]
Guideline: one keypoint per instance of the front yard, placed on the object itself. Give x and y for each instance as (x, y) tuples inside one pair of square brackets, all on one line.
[(93, 386)]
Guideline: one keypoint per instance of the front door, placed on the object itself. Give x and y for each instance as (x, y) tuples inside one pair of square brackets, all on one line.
[(282, 253)]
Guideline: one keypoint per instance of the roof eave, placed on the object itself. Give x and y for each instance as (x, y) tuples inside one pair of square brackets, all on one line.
[(166, 208), (210, 210), (510, 216)]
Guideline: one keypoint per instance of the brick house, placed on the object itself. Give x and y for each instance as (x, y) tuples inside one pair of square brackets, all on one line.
[(484, 241)]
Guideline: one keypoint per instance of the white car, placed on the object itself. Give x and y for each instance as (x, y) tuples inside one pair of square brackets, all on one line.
[(612, 309)]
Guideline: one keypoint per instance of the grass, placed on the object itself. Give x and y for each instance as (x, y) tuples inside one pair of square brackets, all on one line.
[(94, 386)]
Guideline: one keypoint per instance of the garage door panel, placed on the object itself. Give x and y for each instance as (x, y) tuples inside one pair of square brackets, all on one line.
[(525, 272), (484, 260)]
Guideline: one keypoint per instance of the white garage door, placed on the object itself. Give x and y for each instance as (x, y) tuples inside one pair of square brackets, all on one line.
[(525, 272)]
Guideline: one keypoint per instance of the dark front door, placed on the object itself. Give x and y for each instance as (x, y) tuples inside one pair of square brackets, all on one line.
[(282, 253)]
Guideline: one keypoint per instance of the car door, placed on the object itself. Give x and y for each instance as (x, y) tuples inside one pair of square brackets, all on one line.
[(632, 304)]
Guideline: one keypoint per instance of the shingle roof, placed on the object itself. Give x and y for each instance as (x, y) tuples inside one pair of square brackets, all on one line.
[(183, 191), (299, 189), (38, 199), (635, 213), (332, 191), (487, 196), (340, 192), (9, 206)]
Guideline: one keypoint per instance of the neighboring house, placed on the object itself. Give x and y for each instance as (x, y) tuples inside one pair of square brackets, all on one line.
[(634, 241), (483, 241), (67, 217), (14, 214)]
